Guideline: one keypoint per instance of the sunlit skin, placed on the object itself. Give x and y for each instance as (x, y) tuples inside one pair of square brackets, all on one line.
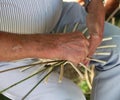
[(81, 2), (73, 46)]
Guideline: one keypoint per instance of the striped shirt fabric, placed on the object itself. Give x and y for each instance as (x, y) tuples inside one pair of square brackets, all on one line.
[(29, 16)]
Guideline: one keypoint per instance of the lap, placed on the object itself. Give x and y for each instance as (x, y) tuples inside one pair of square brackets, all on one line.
[(53, 90)]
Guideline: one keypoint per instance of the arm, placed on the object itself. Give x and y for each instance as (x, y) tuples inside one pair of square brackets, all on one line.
[(17, 46), (60, 46), (95, 23)]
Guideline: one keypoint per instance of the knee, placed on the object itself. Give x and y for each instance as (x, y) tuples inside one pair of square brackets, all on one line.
[(113, 59)]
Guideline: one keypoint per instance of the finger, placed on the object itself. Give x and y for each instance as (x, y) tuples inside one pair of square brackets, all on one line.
[(86, 62)]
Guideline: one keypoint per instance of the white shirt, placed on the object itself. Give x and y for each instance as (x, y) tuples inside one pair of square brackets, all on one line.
[(29, 16)]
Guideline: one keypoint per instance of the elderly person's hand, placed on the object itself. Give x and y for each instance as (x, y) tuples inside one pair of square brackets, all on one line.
[(73, 47)]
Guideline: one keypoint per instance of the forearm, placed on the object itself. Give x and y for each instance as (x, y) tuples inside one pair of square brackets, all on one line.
[(96, 17), (16, 46), (95, 24)]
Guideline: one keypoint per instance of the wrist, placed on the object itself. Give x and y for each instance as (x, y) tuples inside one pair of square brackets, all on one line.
[(96, 38)]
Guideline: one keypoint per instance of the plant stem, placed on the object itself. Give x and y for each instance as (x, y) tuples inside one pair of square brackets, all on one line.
[(44, 78), (107, 46), (102, 53), (21, 81), (96, 60), (37, 85), (107, 39), (75, 27), (29, 65), (85, 67)]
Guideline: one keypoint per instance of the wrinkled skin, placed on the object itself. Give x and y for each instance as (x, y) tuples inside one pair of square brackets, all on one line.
[(73, 47)]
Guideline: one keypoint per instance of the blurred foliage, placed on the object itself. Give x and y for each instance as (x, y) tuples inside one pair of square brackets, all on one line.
[(83, 85), (3, 97), (117, 22)]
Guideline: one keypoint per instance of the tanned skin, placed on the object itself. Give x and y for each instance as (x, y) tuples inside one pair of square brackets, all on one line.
[(95, 24), (73, 46), (58, 46)]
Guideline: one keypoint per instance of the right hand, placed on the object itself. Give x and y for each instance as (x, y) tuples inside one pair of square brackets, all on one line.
[(73, 47)]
